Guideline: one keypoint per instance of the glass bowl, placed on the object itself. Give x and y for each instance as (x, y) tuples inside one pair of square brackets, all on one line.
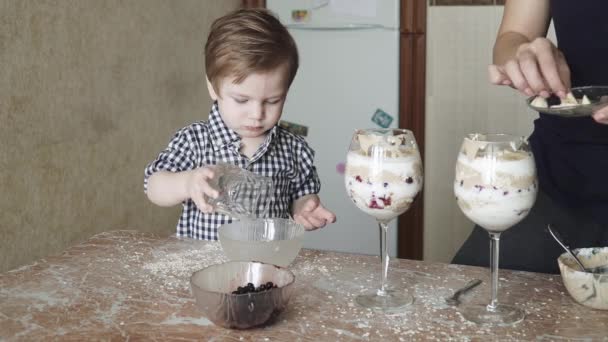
[(212, 288), (273, 241), (587, 289), (598, 95)]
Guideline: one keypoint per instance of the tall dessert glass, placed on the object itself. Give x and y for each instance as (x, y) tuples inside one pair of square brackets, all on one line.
[(383, 175), (495, 186)]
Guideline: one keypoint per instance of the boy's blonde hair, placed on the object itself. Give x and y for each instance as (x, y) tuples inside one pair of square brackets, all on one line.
[(247, 41)]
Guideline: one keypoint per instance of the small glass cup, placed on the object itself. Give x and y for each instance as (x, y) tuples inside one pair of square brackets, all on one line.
[(242, 194)]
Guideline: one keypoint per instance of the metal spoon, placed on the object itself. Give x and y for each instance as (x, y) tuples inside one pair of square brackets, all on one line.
[(453, 299), (558, 238)]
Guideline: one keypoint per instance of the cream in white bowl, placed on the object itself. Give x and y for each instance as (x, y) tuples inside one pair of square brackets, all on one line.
[(586, 288)]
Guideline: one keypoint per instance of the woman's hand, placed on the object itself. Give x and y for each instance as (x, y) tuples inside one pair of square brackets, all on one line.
[(538, 68), (601, 116)]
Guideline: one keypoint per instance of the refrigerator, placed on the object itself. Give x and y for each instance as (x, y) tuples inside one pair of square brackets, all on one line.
[(348, 79)]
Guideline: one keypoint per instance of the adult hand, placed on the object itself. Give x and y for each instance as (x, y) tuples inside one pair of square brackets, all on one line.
[(197, 187), (601, 115), (309, 212), (538, 68)]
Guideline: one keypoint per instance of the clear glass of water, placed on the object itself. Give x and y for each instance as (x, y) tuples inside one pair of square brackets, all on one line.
[(242, 194)]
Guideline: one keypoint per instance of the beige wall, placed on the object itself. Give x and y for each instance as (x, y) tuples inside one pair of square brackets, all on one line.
[(90, 91), (459, 101)]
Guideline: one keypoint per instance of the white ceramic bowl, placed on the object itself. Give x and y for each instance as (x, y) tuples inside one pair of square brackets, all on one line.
[(272, 241), (586, 288)]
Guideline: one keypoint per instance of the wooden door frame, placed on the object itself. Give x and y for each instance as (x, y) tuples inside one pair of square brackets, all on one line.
[(412, 95), (412, 98)]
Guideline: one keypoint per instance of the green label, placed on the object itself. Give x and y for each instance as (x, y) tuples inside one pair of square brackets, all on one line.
[(382, 118)]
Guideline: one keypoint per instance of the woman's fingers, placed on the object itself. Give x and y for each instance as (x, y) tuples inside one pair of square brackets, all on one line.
[(539, 68), (601, 116), (550, 72), (497, 76), (563, 69), (514, 73), (529, 68)]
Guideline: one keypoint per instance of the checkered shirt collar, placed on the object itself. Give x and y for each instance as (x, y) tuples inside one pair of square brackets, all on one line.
[(221, 135)]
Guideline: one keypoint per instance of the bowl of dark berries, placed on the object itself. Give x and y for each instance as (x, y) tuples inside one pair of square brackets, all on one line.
[(241, 294)]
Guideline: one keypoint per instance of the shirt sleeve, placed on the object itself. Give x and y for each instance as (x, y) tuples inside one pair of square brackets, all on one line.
[(179, 155), (307, 181)]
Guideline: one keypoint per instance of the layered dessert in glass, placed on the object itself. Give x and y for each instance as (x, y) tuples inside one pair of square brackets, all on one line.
[(383, 176), (495, 190)]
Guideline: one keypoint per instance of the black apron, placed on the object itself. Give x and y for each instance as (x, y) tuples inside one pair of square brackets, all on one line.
[(572, 153), (571, 158)]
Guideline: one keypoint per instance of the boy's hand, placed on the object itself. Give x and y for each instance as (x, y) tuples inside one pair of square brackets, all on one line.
[(197, 186), (309, 212)]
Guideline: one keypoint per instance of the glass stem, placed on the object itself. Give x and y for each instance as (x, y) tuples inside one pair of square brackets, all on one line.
[(494, 252), (383, 256)]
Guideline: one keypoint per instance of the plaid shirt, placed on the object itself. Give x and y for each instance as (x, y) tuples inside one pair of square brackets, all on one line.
[(284, 157)]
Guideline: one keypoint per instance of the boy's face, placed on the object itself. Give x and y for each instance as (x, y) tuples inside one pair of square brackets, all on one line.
[(254, 106)]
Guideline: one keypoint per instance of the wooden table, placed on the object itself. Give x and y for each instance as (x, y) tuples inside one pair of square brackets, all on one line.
[(127, 285)]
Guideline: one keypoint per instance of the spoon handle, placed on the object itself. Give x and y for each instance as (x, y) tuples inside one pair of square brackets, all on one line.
[(471, 284), (561, 242), (453, 299)]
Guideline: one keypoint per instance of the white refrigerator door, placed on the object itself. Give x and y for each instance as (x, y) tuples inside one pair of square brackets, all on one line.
[(344, 77), (336, 13)]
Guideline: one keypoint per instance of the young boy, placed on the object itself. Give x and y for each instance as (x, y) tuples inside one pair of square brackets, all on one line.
[(251, 60)]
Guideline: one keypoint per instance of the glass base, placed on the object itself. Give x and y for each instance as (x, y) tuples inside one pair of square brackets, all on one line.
[(389, 301), (502, 315)]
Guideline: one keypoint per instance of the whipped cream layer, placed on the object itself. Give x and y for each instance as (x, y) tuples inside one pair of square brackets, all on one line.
[(383, 190), (496, 193)]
